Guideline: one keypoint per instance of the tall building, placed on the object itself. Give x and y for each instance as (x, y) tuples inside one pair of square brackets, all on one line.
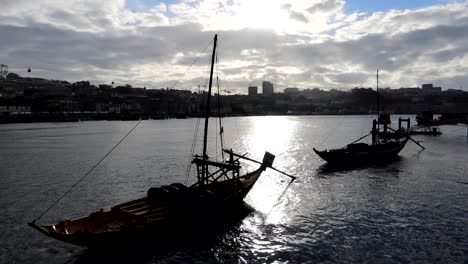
[(428, 89), (253, 90), (267, 88)]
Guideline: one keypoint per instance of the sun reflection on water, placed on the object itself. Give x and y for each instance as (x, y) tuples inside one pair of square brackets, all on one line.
[(274, 134), (271, 133)]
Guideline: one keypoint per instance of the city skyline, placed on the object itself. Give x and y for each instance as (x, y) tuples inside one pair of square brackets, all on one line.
[(34, 100), (326, 44)]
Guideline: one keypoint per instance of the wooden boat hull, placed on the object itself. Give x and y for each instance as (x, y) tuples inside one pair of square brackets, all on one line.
[(372, 153), (148, 219)]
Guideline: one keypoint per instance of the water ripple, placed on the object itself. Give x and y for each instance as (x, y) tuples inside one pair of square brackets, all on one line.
[(412, 210)]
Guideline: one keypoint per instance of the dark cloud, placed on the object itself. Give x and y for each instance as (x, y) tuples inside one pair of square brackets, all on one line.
[(378, 50), (298, 16), (286, 6), (351, 78), (326, 6)]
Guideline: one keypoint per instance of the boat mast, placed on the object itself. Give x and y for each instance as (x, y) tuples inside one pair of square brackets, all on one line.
[(208, 102), (376, 123), (378, 106)]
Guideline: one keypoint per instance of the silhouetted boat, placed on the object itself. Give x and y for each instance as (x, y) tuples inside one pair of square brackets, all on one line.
[(166, 210), (426, 119), (360, 153), (386, 143)]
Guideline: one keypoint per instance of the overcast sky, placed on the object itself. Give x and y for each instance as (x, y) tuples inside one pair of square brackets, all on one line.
[(303, 43)]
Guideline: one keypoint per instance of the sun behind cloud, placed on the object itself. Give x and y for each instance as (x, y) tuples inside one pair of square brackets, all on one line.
[(263, 14)]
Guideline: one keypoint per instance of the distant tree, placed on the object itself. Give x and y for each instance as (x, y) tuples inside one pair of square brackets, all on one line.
[(82, 84), (363, 96), (105, 86), (12, 76)]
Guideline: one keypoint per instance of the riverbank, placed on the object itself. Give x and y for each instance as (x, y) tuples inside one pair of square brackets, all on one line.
[(93, 116)]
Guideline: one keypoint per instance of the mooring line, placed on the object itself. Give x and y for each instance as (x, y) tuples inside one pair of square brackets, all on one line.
[(87, 173)]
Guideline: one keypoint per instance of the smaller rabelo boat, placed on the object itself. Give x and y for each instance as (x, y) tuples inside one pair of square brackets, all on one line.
[(386, 144), (426, 119)]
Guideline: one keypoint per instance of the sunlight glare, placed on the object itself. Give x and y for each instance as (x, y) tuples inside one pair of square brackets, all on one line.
[(274, 134), (263, 14)]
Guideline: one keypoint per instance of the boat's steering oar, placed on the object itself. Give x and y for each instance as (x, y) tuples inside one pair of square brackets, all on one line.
[(417, 142), (256, 161)]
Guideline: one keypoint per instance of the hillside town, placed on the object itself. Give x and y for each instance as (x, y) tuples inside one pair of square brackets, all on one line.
[(26, 99)]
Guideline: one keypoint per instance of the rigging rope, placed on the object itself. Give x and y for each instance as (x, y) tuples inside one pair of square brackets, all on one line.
[(356, 140), (194, 143), (197, 125), (220, 113), (220, 107), (216, 143), (194, 61), (87, 173), (363, 126), (192, 149), (331, 132)]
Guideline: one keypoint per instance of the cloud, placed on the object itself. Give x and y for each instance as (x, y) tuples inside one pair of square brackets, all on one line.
[(292, 43), (85, 15), (326, 6), (298, 16)]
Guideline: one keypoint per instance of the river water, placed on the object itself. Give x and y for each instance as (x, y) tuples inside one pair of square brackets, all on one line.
[(412, 210)]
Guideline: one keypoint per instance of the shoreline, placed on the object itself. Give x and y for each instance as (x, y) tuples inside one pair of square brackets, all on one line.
[(77, 117)]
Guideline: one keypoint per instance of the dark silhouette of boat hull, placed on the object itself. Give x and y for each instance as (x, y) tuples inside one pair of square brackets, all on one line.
[(361, 153), (197, 214)]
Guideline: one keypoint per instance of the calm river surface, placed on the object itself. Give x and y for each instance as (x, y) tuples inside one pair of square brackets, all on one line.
[(413, 210)]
